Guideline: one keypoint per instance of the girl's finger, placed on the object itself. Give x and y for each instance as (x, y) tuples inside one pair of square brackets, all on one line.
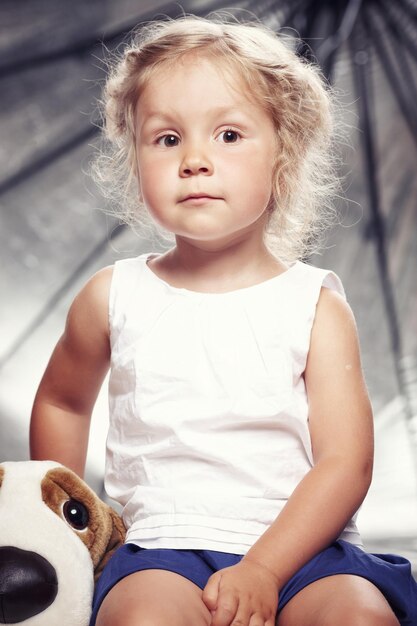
[(227, 606), (259, 620), (243, 614), (211, 592)]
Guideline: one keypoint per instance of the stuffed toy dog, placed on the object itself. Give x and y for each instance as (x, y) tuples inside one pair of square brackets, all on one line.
[(55, 537)]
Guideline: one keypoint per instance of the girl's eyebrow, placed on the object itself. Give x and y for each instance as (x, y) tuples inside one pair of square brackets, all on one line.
[(167, 117), (157, 115), (154, 118)]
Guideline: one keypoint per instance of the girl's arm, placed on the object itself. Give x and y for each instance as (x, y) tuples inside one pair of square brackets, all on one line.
[(341, 428), (65, 399)]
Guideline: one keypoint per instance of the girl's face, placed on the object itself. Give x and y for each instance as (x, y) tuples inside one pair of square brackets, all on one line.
[(205, 154)]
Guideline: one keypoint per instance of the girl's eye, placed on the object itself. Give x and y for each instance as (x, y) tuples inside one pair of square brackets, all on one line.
[(230, 136), (168, 140)]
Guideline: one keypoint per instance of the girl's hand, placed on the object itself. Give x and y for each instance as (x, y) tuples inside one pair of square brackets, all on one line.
[(245, 594)]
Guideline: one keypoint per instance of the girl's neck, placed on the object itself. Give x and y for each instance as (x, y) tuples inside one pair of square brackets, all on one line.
[(216, 269)]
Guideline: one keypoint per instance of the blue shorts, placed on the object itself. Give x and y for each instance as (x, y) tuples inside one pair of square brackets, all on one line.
[(391, 574)]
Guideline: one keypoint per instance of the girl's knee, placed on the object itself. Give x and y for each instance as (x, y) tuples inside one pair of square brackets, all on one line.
[(340, 600), (362, 615), (130, 620), (129, 616), (144, 617), (153, 598)]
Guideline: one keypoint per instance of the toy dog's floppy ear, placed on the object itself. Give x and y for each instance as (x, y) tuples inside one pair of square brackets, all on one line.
[(115, 540)]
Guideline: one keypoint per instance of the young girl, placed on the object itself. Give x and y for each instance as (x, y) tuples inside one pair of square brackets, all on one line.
[(240, 440)]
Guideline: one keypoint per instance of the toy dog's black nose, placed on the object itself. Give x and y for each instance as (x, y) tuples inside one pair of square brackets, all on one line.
[(28, 584)]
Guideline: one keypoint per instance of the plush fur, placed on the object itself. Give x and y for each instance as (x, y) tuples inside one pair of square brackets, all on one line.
[(34, 518)]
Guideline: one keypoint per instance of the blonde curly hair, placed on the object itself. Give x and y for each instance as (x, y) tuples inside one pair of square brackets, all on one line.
[(293, 91)]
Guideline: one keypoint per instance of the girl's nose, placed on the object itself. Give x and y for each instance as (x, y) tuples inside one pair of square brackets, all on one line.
[(195, 162)]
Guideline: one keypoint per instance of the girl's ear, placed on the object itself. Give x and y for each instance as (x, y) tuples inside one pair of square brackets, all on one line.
[(134, 163), (132, 157), (136, 174), (135, 170)]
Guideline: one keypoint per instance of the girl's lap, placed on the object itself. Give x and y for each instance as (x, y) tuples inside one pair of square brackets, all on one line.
[(162, 598), (341, 585)]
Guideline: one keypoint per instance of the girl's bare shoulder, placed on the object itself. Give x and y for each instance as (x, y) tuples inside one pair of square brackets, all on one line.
[(98, 286), (90, 306)]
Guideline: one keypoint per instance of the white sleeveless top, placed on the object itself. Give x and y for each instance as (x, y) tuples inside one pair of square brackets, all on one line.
[(208, 428)]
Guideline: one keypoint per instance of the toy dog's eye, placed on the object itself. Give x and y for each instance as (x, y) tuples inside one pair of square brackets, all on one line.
[(76, 514)]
